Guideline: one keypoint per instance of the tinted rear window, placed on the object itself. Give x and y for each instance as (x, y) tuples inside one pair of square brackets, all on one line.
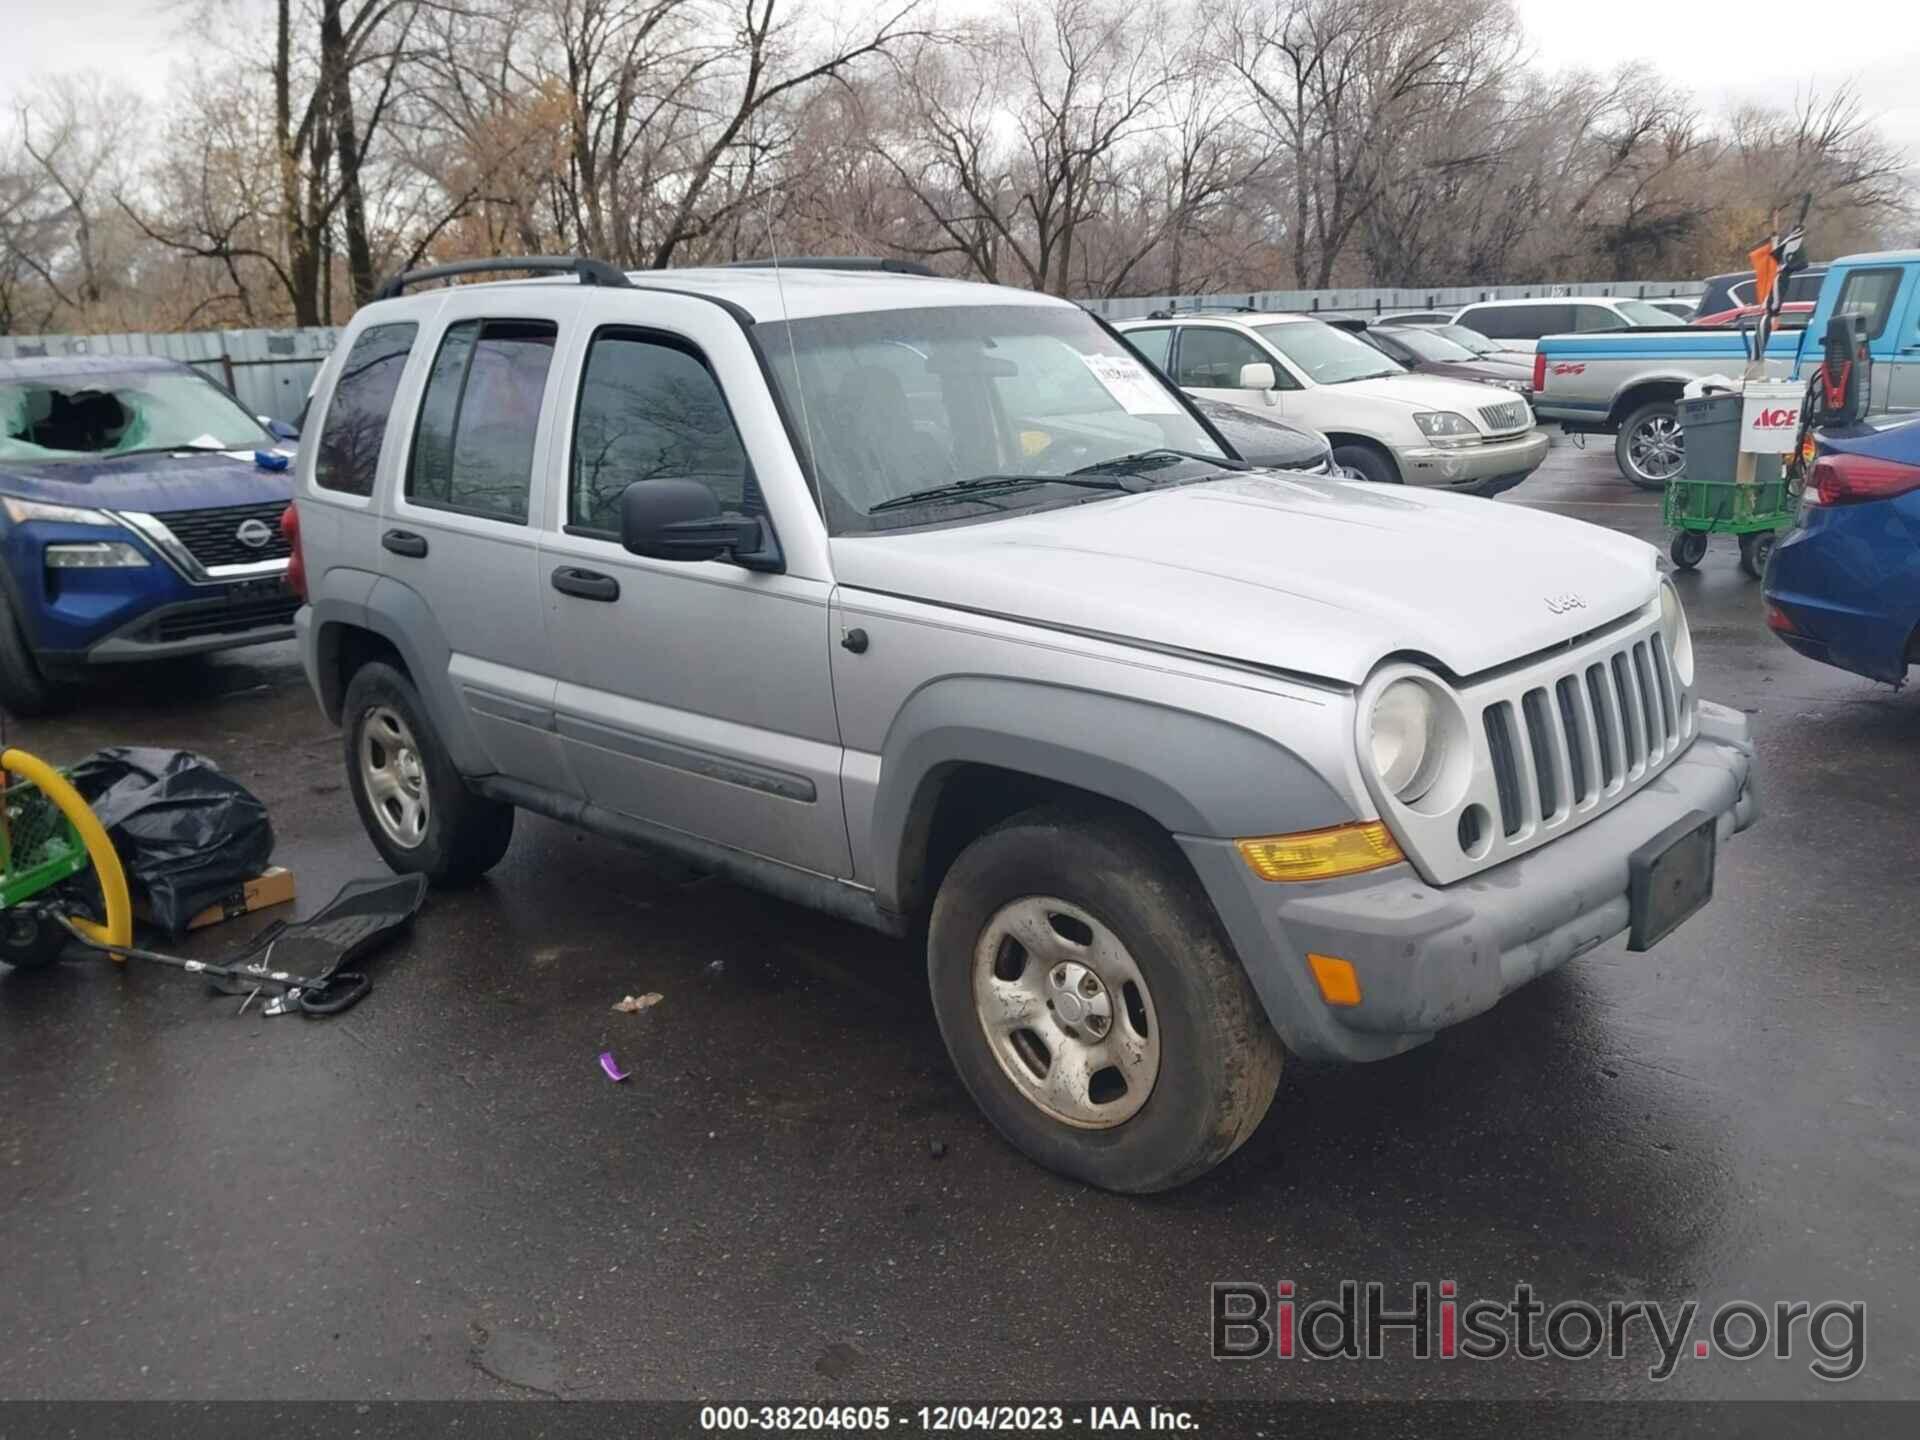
[(349, 450), (1520, 322)]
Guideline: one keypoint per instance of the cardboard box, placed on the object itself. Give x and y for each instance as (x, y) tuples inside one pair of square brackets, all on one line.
[(273, 887)]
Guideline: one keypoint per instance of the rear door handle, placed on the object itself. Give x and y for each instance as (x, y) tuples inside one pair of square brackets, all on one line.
[(586, 584), (405, 542)]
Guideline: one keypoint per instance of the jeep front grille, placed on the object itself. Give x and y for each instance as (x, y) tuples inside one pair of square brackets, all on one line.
[(1550, 744), (1508, 415), (1571, 739)]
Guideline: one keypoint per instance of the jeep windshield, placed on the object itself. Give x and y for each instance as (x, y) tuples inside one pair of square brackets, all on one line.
[(1327, 356), (919, 416), (99, 416)]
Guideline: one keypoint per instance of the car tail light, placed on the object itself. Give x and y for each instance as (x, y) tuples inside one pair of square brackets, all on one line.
[(296, 562), (1842, 479), (1539, 371)]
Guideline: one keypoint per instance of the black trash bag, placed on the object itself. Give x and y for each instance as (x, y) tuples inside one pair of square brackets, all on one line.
[(186, 833)]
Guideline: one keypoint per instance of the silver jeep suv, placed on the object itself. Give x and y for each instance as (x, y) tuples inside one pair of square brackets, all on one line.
[(930, 605)]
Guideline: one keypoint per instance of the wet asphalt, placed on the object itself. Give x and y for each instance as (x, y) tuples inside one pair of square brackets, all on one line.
[(440, 1195)]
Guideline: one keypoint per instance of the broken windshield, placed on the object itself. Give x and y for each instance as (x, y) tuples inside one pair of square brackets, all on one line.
[(96, 417)]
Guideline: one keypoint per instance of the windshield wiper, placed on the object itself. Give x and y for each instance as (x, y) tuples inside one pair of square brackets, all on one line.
[(983, 485), (1136, 462), (178, 450)]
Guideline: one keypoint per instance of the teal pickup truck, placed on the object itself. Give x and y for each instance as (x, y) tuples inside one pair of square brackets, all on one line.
[(1626, 382)]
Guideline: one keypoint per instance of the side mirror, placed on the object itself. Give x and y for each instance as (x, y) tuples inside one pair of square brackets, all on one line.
[(1258, 376), (681, 520)]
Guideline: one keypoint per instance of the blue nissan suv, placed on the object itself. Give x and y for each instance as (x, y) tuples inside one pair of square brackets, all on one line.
[(140, 515)]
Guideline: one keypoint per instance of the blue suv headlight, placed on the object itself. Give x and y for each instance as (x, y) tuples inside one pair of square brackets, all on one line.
[(95, 555), (21, 511)]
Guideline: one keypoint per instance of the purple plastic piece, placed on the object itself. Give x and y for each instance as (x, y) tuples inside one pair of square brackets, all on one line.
[(611, 1066)]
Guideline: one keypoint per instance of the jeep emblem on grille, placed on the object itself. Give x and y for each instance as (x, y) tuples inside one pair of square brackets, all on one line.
[(253, 534), (1561, 604)]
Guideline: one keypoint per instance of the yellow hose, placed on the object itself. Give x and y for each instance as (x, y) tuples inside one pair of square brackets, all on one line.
[(106, 864)]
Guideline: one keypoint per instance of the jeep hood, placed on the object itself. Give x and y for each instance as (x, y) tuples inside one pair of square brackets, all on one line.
[(1324, 578)]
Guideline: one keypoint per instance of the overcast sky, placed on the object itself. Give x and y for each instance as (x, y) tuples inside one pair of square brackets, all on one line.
[(1724, 51)]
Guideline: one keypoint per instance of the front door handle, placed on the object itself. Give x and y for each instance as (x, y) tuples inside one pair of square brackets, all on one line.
[(405, 542), (586, 584)]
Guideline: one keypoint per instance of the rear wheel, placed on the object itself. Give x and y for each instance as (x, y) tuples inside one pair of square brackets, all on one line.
[(1755, 550), (416, 809), (1688, 549), (1650, 449), (1092, 1006), (1364, 462)]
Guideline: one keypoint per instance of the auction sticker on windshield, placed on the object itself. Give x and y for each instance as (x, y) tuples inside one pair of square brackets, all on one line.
[(1129, 384)]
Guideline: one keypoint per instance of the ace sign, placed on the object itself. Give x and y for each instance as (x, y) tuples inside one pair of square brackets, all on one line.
[(1770, 417)]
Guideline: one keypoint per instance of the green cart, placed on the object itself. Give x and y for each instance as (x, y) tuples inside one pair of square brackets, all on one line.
[(1695, 509), (1705, 499)]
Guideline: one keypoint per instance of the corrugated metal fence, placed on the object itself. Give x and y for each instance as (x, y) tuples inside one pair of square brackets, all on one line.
[(1382, 302), (270, 370)]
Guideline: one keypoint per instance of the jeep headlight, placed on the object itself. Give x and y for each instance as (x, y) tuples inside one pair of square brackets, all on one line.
[(1407, 741), (1673, 627), (1444, 425)]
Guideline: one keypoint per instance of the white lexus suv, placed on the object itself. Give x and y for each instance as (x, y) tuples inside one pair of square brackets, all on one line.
[(1385, 423)]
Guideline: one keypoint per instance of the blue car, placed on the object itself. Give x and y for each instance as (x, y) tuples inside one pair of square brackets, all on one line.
[(1843, 586), (140, 515)]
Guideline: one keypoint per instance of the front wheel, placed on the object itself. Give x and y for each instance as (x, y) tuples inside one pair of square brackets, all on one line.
[(28, 940), (1755, 550), (416, 809), (1688, 549), (1651, 448), (1091, 1004), (1364, 462)]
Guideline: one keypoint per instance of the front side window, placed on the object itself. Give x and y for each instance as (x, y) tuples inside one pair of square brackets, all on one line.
[(473, 445), (1325, 354), (1210, 358), (1868, 295), (649, 410), (940, 413), (349, 449), (1154, 344), (1599, 317)]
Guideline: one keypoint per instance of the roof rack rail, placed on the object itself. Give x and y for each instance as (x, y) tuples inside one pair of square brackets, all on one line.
[(1169, 311), (591, 272), (835, 262)]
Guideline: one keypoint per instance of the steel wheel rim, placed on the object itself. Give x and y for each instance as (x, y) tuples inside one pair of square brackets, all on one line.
[(1066, 1012), (1657, 448), (395, 777)]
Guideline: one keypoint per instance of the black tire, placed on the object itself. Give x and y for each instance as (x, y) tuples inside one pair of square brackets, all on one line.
[(1219, 1059), (1656, 412), (1755, 550), (29, 941), (1369, 462), (1688, 549), (464, 835), (24, 686)]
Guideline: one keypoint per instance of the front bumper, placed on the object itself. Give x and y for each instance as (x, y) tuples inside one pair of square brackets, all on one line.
[(1469, 465), (1428, 957)]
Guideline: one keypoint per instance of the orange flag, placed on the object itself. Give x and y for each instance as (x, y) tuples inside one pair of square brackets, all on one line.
[(1766, 270)]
